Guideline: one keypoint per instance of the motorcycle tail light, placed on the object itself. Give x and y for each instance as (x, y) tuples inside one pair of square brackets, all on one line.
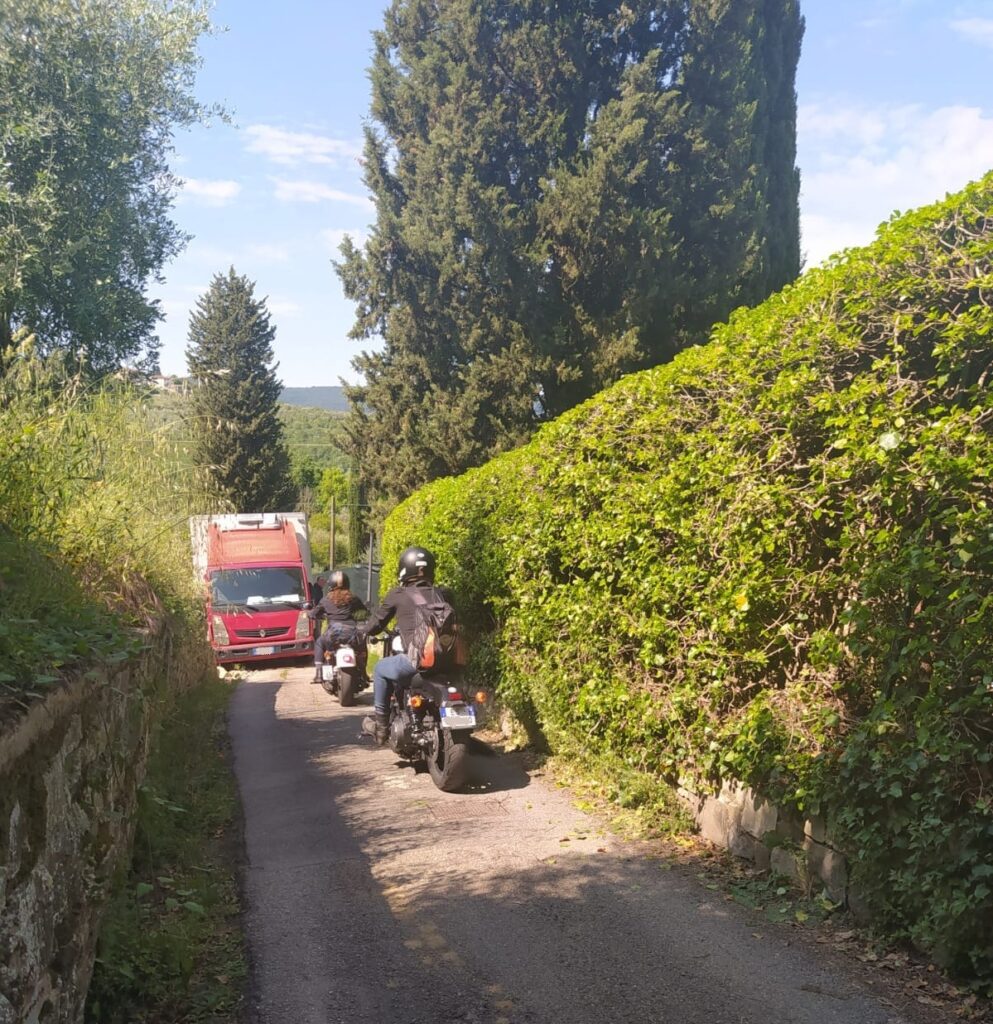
[(303, 626), (220, 631), (416, 701), (481, 697)]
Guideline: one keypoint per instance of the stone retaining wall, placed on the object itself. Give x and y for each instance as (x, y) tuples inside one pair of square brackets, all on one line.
[(70, 768), (798, 848)]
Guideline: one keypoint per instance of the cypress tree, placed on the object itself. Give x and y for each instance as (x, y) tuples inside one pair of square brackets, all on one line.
[(737, 201), (557, 204), (234, 421)]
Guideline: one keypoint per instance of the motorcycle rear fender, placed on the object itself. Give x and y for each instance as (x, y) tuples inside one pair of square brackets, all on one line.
[(435, 687), (344, 657)]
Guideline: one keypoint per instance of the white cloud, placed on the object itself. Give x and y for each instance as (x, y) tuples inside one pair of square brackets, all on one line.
[(292, 148), (284, 308), (333, 237), (174, 307), (316, 192), (860, 164), (210, 193), (213, 257), (269, 252), (978, 30)]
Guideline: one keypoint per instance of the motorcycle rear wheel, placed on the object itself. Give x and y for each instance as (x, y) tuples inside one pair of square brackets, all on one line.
[(347, 685), (448, 762)]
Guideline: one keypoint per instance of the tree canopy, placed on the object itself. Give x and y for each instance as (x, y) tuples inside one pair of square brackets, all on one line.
[(564, 193), (90, 95), (234, 413)]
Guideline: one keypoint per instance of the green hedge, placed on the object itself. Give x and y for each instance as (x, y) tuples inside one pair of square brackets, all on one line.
[(771, 560)]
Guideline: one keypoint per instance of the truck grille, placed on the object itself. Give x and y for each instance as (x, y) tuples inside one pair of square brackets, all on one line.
[(262, 634)]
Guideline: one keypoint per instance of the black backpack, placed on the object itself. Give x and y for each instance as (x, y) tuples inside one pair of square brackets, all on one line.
[(437, 641)]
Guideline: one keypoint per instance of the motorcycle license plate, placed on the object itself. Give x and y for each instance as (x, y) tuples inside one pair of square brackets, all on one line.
[(327, 673), (463, 717), (256, 651), (345, 659)]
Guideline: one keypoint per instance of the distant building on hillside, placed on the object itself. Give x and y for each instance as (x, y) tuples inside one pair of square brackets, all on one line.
[(170, 383)]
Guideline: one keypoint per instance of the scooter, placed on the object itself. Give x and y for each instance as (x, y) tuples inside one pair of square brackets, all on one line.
[(343, 672)]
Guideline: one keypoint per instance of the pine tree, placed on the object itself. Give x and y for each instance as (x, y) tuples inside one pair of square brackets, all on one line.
[(234, 421), (558, 204)]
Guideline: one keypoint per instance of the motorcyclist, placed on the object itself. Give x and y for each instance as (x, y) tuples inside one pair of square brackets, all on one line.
[(415, 570), (339, 606)]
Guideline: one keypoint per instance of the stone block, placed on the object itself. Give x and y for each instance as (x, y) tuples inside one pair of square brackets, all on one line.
[(790, 864), (815, 828), (789, 824), (733, 794), (751, 849), (830, 867), (758, 816), (718, 821), (857, 906)]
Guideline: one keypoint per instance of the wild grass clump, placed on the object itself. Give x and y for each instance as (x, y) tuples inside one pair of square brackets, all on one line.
[(93, 512), (772, 560), (171, 946)]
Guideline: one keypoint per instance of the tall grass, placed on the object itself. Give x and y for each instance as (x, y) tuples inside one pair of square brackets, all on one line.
[(93, 511)]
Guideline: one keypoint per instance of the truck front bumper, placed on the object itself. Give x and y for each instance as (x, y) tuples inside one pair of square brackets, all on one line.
[(258, 652)]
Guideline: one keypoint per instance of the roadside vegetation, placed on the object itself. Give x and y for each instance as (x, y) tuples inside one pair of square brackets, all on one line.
[(94, 544), (171, 947), (772, 560)]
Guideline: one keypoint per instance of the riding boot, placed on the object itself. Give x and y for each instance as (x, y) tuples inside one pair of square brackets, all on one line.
[(377, 726), (318, 675)]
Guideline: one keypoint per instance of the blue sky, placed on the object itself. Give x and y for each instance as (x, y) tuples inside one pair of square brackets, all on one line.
[(895, 109)]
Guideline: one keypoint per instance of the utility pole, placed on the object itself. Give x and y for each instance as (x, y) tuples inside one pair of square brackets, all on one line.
[(331, 556), (368, 584)]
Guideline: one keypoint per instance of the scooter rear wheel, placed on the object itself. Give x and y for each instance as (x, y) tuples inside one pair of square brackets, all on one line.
[(347, 685)]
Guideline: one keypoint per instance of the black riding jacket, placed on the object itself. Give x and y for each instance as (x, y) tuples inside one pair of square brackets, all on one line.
[(399, 603), (327, 609)]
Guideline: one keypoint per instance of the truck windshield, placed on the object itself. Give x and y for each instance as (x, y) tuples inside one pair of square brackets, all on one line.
[(270, 587)]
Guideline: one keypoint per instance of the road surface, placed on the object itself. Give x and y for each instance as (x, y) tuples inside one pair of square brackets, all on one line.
[(374, 898)]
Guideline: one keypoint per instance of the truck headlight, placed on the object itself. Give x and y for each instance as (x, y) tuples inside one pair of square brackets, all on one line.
[(220, 630), (303, 627)]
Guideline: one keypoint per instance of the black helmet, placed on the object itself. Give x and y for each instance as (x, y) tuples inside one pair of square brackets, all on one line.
[(416, 564), (338, 580)]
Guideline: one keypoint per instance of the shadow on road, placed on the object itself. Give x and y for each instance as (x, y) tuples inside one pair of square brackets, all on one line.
[(373, 897)]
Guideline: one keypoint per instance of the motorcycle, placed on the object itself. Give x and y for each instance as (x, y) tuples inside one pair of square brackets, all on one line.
[(343, 672), (431, 720)]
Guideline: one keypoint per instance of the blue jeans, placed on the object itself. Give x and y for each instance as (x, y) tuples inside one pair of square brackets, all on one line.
[(337, 632), (389, 673)]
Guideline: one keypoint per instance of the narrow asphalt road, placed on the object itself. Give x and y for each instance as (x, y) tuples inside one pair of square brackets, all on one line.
[(374, 898)]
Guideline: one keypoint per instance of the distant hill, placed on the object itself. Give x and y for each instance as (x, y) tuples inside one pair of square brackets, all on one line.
[(331, 398)]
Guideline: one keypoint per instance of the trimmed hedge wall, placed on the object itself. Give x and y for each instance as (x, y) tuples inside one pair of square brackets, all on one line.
[(771, 560)]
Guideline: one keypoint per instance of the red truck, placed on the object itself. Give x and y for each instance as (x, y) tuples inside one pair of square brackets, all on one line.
[(255, 571)]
